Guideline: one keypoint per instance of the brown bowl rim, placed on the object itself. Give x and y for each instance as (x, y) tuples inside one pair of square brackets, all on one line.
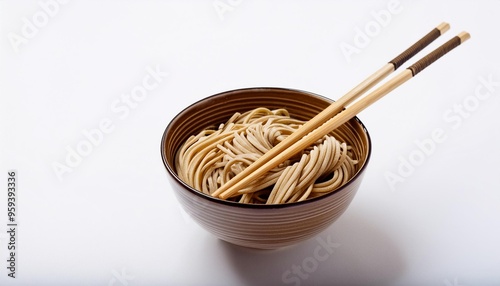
[(260, 206)]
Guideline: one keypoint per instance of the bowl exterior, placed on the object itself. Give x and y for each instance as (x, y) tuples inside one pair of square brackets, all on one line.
[(266, 228), (250, 225)]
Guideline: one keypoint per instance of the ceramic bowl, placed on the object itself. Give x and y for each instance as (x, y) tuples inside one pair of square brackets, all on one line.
[(255, 225)]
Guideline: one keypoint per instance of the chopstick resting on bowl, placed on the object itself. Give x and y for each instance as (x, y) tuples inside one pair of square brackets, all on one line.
[(340, 111)]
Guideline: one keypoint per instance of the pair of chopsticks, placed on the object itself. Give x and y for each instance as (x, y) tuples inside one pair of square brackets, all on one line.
[(340, 111)]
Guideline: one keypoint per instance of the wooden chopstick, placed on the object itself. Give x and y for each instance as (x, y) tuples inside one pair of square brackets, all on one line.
[(323, 123), (337, 106)]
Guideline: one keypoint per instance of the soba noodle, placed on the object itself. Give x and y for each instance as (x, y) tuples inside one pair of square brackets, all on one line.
[(215, 155)]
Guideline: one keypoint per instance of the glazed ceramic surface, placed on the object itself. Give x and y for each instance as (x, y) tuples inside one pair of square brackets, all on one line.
[(252, 225)]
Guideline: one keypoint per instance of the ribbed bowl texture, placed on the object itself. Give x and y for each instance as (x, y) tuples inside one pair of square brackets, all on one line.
[(255, 225)]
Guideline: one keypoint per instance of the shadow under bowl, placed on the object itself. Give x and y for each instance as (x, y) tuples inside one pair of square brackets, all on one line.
[(256, 225)]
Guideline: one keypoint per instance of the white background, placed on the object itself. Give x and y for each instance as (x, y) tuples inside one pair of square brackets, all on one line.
[(113, 220)]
